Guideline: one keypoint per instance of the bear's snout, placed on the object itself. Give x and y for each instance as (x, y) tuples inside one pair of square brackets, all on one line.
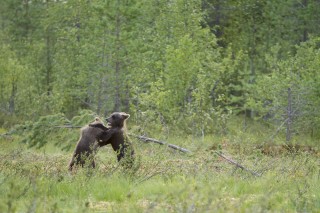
[(108, 120)]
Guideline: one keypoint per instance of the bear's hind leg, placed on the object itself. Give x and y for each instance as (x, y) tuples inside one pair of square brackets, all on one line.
[(71, 164)]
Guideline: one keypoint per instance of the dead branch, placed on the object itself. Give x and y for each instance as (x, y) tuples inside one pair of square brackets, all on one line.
[(68, 126), (237, 164), (8, 134), (147, 140), (280, 127), (11, 132), (5, 134)]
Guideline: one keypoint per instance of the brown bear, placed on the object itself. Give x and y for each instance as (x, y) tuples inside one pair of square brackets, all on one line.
[(116, 136), (87, 144)]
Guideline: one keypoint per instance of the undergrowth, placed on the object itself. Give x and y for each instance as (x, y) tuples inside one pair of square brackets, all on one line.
[(34, 179), (165, 181)]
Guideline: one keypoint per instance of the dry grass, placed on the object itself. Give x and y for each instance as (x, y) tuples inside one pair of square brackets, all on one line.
[(162, 181)]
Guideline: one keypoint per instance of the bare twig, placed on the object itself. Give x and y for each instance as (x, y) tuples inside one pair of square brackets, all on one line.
[(5, 134), (147, 140), (279, 127), (68, 126), (8, 134), (150, 176), (11, 132), (237, 164)]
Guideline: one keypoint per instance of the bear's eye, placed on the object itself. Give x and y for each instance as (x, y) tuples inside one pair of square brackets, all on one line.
[(113, 116)]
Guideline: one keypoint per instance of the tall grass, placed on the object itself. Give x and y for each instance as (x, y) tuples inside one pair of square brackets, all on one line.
[(37, 180)]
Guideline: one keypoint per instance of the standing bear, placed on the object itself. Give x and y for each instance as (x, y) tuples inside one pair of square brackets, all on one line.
[(87, 145), (97, 135), (115, 135)]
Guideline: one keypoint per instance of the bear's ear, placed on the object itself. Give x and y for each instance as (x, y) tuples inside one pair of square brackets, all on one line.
[(125, 115)]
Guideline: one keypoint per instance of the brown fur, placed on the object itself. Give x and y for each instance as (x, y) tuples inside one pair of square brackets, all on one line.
[(87, 145), (116, 136)]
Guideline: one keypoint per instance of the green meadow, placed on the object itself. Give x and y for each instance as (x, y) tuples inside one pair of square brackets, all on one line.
[(163, 179)]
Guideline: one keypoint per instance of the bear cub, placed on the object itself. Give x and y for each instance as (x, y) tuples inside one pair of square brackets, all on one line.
[(115, 135), (87, 144)]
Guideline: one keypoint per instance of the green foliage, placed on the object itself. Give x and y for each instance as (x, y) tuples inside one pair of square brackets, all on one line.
[(189, 72), (84, 117), (53, 129), (297, 73), (195, 61), (40, 132)]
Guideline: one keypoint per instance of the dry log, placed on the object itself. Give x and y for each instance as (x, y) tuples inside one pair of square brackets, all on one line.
[(147, 140), (237, 164)]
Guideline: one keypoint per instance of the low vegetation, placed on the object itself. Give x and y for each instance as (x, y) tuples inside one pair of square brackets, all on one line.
[(36, 179)]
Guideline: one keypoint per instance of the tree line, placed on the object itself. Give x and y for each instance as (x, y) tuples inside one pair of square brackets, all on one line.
[(188, 62)]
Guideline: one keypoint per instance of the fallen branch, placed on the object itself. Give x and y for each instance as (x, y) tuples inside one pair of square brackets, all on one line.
[(68, 126), (147, 140), (8, 134), (237, 164)]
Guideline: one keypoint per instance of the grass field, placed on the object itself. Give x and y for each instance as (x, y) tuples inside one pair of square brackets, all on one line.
[(163, 180)]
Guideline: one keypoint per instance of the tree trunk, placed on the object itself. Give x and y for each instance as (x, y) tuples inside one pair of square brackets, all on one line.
[(12, 97), (305, 31), (118, 63), (289, 116), (48, 59), (26, 6)]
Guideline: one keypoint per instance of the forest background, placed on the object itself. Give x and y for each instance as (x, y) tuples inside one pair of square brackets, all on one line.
[(190, 64), (237, 76)]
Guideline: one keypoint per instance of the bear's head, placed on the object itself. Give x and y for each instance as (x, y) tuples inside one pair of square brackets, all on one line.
[(117, 119), (97, 120)]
